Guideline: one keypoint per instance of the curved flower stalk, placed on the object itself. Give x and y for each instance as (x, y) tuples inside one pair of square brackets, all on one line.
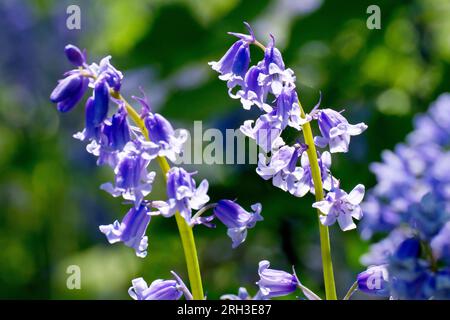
[(298, 168), (410, 204)]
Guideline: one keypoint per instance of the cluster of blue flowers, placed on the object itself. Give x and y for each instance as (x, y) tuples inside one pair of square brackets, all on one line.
[(270, 86), (410, 203), (129, 150)]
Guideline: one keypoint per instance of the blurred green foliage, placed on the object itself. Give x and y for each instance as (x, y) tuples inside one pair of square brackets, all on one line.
[(51, 205)]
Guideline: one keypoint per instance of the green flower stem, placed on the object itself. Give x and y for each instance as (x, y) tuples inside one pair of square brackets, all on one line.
[(327, 263), (186, 234), (351, 291)]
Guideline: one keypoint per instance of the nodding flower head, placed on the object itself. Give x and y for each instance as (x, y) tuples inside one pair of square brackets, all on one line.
[(252, 93), (340, 206), (159, 289), (335, 130), (282, 167), (131, 231), (275, 283), (234, 64), (272, 56), (266, 132), (237, 219), (374, 281), (133, 182), (183, 195), (69, 92)]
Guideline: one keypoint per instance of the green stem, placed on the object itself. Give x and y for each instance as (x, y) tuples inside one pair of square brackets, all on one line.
[(186, 234), (327, 263), (351, 291)]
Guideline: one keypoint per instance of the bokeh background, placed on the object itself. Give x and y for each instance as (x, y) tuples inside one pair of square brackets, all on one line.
[(50, 201)]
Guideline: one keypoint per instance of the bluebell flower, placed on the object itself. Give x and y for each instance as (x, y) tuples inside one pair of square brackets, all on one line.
[(132, 181), (163, 138), (183, 194), (105, 71), (252, 93), (75, 56), (340, 206), (69, 92), (374, 281), (266, 132), (131, 231), (282, 168), (234, 64), (237, 219), (159, 289), (440, 244), (287, 109), (335, 130), (275, 283), (100, 103), (274, 76)]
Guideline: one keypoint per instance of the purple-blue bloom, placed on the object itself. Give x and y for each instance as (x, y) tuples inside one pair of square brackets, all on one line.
[(131, 231), (251, 92), (282, 168), (234, 64), (275, 283), (133, 182), (287, 109), (335, 130), (183, 194), (159, 289), (266, 132), (274, 76), (237, 219), (100, 103), (340, 206), (69, 92), (374, 281)]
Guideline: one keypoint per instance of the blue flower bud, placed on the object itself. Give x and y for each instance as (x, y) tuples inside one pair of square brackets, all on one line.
[(66, 88), (119, 131), (374, 281), (159, 129), (101, 102), (74, 55)]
